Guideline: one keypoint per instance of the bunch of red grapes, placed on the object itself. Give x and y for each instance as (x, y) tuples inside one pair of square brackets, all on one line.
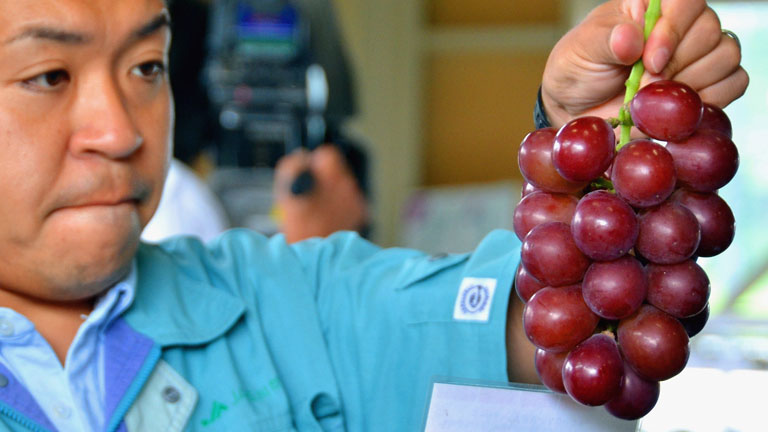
[(608, 270)]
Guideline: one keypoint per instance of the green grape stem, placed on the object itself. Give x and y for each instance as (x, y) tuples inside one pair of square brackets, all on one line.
[(601, 183), (632, 84)]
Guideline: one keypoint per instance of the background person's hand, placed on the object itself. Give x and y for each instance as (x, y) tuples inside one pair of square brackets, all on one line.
[(334, 202), (586, 70)]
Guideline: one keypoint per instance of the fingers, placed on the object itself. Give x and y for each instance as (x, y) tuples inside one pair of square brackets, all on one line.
[(687, 45), (710, 69), (703, 37), (727, 90), (677, 18)]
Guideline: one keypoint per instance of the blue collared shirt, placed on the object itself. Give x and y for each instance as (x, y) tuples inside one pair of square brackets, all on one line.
[(73, 396), (250, 333)]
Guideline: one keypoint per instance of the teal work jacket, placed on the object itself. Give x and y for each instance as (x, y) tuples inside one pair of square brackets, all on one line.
[(250, 333)]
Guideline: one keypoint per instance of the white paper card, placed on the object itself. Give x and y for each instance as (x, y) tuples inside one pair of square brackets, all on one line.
[(461, 408), (704, 399)]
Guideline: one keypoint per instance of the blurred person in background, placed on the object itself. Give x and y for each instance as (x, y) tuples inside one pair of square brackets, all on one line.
[(190, 207)]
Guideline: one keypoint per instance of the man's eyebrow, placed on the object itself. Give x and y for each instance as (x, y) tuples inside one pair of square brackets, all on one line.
[(51, 34), (161, 20), (73, 38)]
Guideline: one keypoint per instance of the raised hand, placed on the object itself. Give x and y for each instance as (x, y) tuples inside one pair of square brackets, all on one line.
[(586, 70), (333, 203)]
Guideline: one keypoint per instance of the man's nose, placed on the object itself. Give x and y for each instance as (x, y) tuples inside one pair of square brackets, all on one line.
[(103, 121)]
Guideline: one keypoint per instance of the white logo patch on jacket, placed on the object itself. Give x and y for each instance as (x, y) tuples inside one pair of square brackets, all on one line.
[(473, 302)]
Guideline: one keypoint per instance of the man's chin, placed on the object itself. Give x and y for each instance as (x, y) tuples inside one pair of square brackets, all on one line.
[(88, 283), (87, 268), (69, 281)]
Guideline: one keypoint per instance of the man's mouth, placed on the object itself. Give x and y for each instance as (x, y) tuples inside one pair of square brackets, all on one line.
[(132, 195), (102, 203)]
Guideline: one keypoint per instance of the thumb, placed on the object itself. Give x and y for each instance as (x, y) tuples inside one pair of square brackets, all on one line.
[(288, 169), (626, 43), (328, 162), (611, 35), (587, 68)]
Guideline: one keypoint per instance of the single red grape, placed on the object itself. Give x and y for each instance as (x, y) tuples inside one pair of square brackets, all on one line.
[(669, 234), (549, 367), (654, 343), (551, 256), (681, 290), (604, 227), (584, 148), (718, 226), (714, 118), (666, 110), (525, 284), (643, 173), (706, 161), (693, 325), (615, 289), (637, 396), (535, 161), (592, 371), (557, 319), (540, 207)]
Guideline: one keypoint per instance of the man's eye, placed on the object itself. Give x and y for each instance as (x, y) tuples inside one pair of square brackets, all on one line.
[(48, 80), (149, 70)]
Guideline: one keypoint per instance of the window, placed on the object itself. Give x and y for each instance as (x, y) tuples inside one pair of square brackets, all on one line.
[(742, 270)]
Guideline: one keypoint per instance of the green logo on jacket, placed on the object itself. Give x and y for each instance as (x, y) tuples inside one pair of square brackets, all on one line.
[(218, 408)]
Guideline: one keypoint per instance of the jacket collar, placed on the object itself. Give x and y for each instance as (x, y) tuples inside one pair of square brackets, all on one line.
[(173, 307)]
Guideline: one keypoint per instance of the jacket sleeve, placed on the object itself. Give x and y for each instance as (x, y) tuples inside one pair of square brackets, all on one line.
[(395, 319)]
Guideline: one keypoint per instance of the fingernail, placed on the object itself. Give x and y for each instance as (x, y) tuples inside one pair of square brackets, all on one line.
[(659, 60)]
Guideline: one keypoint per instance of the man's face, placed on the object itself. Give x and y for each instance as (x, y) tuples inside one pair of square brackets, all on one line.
[(85, 122)]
